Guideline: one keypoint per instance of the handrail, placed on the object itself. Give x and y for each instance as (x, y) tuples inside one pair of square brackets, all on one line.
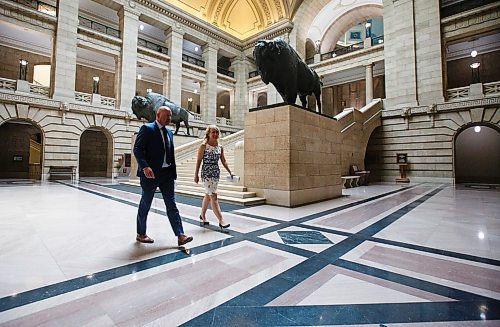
[(39, 6), (225, 72), (152, 46), (88, 23), (253, 74), (378, 40), (193, 60), (342, 51)]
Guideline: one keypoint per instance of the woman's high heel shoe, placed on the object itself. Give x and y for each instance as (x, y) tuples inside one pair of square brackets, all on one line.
[(222, 227), (203, 222)]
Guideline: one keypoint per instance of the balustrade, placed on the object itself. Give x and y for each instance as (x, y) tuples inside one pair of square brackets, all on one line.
[(39, 89), (225, 72), (39, 6), (342, 51), (8, 84), (193, 60), (83, 97), (85, 22), (152, 46), (458, 93), (253, 74), (491, 88), (107, 101)]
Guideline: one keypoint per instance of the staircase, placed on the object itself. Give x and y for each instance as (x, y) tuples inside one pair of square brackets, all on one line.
[(227, 192)]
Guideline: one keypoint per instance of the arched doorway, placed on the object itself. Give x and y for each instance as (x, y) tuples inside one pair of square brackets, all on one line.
[(477, 155), (21, 150), (95, 158)]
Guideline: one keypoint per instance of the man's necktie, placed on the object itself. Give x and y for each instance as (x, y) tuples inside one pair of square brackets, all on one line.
[(166, 140)]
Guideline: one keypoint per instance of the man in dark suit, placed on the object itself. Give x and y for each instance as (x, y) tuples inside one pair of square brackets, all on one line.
[(154, 151)]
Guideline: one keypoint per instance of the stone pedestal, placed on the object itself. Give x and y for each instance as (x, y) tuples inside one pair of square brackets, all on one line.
[(292, 155), (96, 98), (22, 86), (133, 162)]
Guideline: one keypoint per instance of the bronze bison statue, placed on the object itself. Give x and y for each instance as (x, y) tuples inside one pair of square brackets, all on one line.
[(146, 107), (278, 63)]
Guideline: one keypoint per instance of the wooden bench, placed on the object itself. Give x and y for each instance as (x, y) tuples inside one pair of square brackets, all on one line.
[(350, 181), (363, 174), (56, 171)]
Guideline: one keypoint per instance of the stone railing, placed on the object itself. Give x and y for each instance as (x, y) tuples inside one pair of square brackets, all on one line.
[(473, 90), (39, 89), (8, 84), (197, 117), (224, 121), (107, 101), (458, 93), (491, 88), (83, 97)]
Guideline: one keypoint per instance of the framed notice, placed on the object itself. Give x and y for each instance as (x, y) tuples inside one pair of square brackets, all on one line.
[(401, 158)]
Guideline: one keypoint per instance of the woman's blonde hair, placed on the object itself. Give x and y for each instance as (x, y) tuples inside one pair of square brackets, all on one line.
[(207, 132)]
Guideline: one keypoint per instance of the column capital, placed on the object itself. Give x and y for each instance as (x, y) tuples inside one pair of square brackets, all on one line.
[(177, 29), (127, 10)]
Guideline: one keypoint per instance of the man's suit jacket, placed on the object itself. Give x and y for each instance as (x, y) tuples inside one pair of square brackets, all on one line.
[(149, 149)]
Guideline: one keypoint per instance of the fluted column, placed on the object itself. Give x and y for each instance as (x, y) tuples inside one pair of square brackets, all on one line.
[(369, 83), (63, 70), (239, 98), (209, 87), (128, 57), (174, 43)]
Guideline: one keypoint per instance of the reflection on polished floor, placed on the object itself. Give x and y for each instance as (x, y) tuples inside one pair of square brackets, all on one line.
[(382, 255)]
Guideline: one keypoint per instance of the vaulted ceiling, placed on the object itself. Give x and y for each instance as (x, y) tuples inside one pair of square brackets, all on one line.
[(240, 18)]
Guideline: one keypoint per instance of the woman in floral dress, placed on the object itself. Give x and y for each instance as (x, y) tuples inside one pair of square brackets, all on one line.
[(210, 152)]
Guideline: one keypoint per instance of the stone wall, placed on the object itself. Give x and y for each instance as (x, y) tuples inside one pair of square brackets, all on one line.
[(292, 156), (9, 58), (84, 81), (428, 140), (62, 129)]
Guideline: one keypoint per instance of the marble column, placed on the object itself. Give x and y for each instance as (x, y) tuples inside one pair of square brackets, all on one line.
[(63, 70), (240, 103), (175, 36), (128, 68), (369, 83), (209, 87)]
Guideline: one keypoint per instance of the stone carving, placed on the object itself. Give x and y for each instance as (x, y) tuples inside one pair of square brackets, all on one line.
[(278, 63), (146, 107)]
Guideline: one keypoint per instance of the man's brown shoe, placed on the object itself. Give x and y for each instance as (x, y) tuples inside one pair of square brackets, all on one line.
[(144, 239), (183, 239)]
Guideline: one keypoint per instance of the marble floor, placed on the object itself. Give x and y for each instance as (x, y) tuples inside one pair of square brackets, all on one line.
[(381, 255)]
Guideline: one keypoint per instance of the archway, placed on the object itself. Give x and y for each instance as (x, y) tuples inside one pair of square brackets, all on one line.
[(95, 158), (477, 154), (21, 150)]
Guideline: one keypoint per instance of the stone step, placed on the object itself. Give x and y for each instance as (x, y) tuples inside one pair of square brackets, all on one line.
[(222, 198), (223, 186), (199, 188)]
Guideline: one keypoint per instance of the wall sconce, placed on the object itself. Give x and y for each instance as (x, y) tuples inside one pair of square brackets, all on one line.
[(222, 107), (473, 53), (475, 72), (139, 76), (23, 69), (95, 85), (149, 90)]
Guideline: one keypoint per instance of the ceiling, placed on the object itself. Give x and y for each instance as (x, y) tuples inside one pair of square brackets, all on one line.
[(240, 18)]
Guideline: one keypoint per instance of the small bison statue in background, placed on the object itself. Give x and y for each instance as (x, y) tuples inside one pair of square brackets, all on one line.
[(146, 107), (278, 63)]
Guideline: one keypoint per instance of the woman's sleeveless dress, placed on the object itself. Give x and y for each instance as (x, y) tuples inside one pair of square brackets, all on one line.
[(210, 171)]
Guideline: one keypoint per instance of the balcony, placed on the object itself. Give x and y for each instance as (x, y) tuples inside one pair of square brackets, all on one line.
[(193, 60), (98, 27), (473, 91), (343, 50), (38, 6), (152, 46), (253, 74), (226, 72), (23, 86)]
